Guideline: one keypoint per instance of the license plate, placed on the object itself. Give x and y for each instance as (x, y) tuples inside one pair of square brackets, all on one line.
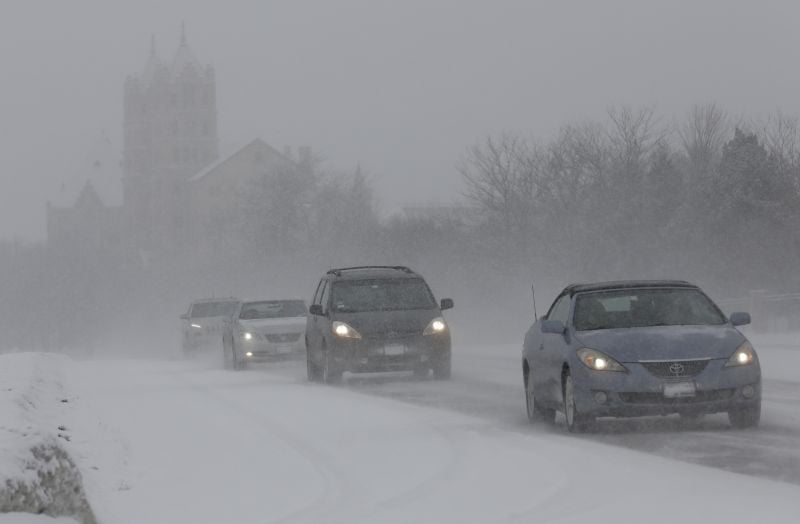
[(284, 348), (679, 389), (394, 350)]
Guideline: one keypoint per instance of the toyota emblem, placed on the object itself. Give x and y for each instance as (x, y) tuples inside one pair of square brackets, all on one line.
[(676, 368)]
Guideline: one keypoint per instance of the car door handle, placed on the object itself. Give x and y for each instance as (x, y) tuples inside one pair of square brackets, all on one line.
[(541, 347)]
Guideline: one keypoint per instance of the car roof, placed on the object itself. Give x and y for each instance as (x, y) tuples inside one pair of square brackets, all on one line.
[(626, 284), (253, 300), (369, 272), (208, 300)]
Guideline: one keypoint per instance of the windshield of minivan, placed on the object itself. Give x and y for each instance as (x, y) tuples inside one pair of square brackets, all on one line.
[(272, 309), (629, 308), (381, 295), (213, 309)]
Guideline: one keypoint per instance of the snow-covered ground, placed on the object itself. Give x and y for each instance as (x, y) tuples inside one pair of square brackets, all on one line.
[(170, 441)]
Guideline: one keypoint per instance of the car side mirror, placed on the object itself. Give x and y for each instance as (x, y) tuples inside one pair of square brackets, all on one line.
[(446, 303), (185, 317), (740, 318), (555, 327), (316, 309)]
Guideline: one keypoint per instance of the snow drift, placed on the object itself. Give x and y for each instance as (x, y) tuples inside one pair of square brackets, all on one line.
[(37, 475)]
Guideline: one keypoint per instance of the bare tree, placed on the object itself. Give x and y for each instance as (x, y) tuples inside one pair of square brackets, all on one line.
[(499, 177), (703, 135), (781, 134)]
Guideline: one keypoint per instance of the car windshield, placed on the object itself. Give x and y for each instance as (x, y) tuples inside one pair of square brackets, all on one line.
[(272, 309), (381, 295), (213, 309), (632, 308)]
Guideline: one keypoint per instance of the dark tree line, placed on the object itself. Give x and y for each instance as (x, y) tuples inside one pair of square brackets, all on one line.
[(707, 199)]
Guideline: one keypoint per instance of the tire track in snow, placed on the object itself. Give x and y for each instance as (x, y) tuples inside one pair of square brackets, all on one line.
[(765, 452), (427, 488), (424, 488), (334, 500), (332, 477)]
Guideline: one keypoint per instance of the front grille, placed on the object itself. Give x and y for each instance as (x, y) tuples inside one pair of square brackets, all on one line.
[(277, 338), (675, 368), (659, 398)]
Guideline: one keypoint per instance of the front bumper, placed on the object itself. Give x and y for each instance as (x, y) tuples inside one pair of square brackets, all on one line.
[(375, 353), (265, 351), (640, 393)]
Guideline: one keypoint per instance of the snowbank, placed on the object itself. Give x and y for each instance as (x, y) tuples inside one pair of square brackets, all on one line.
[(37, 475)]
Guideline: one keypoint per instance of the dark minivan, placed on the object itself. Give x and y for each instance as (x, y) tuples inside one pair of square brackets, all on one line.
[(376, 318)]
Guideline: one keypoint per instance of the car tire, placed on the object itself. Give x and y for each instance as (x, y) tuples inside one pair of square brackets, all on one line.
[(421, 371), (442, 369), (576, 422), (238, 364), (227, 356), (745, 418), (330, 374), (536, 413), (314, 373), (691, 418)]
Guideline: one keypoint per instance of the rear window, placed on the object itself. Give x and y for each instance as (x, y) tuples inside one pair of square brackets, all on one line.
[(273, 309), (213, 309), (351, 296), (630, 308)]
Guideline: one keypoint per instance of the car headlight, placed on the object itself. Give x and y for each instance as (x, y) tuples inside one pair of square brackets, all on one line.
[(340, 329), (247, 336), (435, 326), (599, 361), (743, 356), (198, 326)]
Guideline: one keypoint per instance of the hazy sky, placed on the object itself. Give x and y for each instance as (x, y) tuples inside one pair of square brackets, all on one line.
[(401, 87)]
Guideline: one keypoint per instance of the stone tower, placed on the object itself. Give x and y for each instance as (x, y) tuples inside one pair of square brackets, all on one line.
[(170, 133)]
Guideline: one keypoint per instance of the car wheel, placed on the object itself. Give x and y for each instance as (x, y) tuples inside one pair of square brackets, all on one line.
[(745, 418), (227, 355), (421, 371), (576, 422), (238, 364), (691, 418), (536, 413), (442, 369), (311, 371), (314, 374), (330, 374)]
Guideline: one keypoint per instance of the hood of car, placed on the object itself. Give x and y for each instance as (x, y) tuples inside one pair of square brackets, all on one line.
[(398, 323), (663, 342), (274, 325)]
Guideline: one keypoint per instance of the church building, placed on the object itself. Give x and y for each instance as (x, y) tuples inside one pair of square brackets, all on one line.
[(174, 183)]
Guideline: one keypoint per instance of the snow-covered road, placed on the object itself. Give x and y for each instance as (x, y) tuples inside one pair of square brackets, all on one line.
[(487, 382), (184, 442)]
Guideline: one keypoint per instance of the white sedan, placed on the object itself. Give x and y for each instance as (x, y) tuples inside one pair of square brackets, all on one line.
[(264, 331)]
